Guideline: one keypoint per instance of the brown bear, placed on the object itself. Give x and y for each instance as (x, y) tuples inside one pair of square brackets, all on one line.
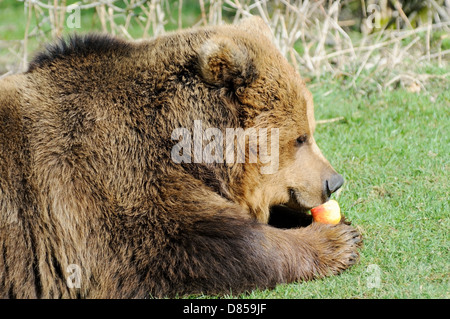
[(96, 203)]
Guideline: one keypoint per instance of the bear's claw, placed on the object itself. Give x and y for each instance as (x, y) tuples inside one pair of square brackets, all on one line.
[(338, 247)]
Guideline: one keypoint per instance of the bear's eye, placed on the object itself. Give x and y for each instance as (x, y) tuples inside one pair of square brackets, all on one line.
[(302, 139)]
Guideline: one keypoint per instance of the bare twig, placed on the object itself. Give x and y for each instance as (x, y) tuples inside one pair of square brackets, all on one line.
[(335, 119), (25, 41)]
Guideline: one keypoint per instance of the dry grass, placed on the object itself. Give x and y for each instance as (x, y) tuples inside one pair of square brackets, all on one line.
[(312, 34)]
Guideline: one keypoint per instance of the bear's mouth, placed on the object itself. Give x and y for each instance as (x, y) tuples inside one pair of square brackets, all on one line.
[(295, 201), (282, 216), (291, 214)]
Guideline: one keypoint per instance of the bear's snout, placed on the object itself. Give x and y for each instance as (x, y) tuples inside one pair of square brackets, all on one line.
[(333, 184)]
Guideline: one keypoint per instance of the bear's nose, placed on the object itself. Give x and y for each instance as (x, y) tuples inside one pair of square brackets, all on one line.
[(333, 184)]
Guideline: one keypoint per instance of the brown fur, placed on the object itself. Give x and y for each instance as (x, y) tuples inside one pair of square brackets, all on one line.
[(86, 175)]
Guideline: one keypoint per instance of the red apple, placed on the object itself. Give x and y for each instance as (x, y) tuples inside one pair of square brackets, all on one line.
[(328, 213)]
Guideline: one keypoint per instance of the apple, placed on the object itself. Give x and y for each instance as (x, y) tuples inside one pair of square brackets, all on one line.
[(328, 213)]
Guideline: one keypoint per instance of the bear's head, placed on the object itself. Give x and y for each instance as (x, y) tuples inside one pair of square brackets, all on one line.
[(270, 94)]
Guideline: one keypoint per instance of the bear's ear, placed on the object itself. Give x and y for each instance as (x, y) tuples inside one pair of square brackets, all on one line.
[(225, 63), (256, 25)]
